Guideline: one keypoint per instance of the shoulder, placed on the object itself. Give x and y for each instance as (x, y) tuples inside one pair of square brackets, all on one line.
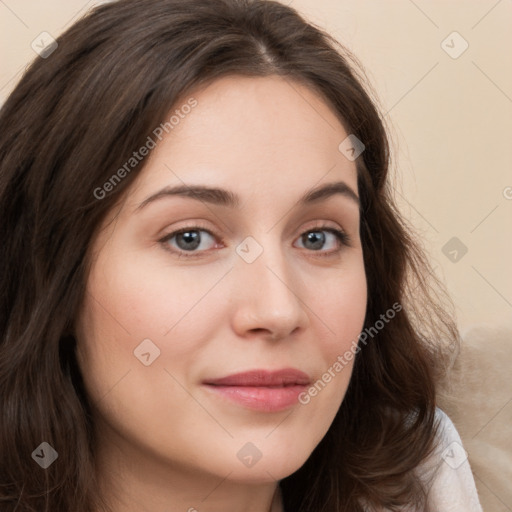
[(447, 473)]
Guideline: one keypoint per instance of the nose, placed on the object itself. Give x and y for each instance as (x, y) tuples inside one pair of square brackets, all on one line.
[(266, 298)]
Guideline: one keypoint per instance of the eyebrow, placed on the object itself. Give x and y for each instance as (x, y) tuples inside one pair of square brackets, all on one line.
[(222, 197)]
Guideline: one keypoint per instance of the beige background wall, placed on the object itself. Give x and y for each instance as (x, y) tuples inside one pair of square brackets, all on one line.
[(450, 119)]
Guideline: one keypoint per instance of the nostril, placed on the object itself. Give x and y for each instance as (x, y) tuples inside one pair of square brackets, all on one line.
[(261, 330)]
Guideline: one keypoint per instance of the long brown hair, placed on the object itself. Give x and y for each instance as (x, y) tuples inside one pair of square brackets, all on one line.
[(70, 124)]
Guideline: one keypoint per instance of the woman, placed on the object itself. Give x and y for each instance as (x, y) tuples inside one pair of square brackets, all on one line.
[(207, 293)]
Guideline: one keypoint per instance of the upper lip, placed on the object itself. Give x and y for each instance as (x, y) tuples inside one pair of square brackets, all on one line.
[(263, 378)]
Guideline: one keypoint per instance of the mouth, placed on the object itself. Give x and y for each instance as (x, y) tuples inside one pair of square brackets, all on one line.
[(261, 390)]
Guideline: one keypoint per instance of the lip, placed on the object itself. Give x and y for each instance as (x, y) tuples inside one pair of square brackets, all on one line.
[(261, 390)]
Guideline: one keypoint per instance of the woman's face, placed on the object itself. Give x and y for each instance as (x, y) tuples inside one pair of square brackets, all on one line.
[(250, 262)]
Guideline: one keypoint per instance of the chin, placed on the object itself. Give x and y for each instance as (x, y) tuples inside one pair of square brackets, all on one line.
[(266, 464), (271, 471)]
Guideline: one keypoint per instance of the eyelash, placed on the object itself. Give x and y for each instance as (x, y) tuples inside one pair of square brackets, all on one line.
[(343, 238)]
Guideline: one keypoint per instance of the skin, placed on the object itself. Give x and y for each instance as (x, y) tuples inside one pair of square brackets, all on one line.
[(165, 442)]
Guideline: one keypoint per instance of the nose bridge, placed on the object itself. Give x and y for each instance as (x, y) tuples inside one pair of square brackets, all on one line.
[(267, 293), (270, 270)]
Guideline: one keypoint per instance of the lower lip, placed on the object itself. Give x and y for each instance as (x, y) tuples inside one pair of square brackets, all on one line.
[(265, 399)]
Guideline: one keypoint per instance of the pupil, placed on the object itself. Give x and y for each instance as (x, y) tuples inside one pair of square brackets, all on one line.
[(189, 240), (314, 239)]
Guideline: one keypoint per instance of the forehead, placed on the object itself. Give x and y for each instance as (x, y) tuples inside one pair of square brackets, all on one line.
[(252, 134)]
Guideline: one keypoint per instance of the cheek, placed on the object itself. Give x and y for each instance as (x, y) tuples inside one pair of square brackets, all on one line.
[(130, 300), (341, 310), (146, 299)]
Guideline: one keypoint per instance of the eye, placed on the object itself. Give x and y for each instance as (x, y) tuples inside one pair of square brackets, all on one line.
[(190, 240), (326, 239)]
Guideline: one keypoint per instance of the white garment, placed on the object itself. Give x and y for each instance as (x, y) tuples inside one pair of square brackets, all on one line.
[(453, 486)]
